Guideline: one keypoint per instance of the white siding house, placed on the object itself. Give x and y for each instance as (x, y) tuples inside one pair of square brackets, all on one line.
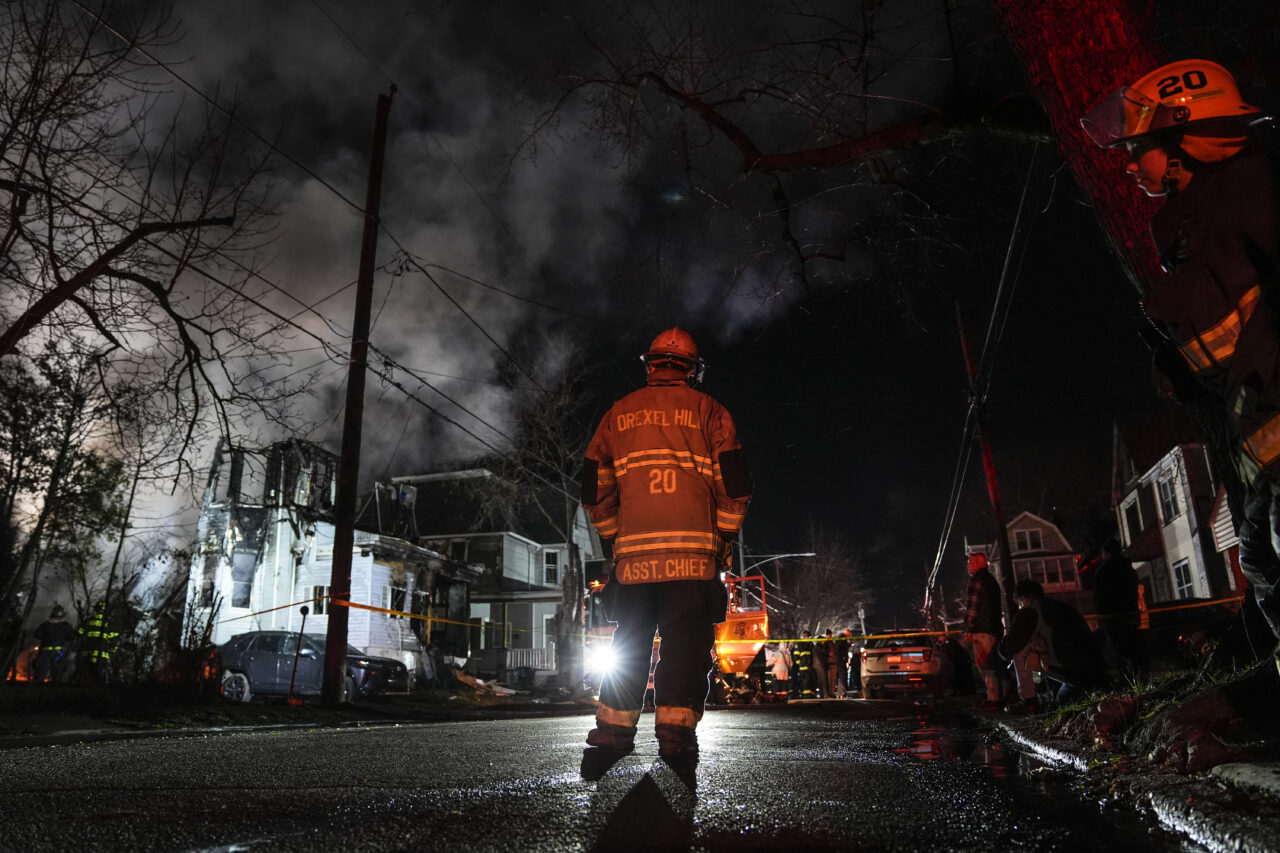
[(1164, 495), (266, 539)]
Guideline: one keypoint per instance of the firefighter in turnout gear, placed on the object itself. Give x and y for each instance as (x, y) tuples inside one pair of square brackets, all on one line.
[(54, 636), (805, 678), (97, 642), (666, 483), (1186, 129)]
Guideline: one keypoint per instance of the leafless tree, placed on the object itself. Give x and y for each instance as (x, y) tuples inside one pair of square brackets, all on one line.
[(822, 150), (539, 475), (819, 592), (127, 219)]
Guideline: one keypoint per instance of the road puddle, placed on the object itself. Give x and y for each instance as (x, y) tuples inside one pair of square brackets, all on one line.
[(935, 741), (1040, 786)]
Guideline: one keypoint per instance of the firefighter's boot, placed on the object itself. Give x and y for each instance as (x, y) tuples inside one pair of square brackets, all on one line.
[(615, 729), (611, 738), (674, 728)]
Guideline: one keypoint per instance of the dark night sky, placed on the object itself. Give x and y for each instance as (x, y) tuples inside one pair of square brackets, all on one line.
[(850, 400)]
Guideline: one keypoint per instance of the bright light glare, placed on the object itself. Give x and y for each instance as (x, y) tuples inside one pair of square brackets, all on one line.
[(601, 659)]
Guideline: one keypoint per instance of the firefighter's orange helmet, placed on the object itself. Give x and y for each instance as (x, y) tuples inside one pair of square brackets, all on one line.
[(1189, 92), (675, 347)]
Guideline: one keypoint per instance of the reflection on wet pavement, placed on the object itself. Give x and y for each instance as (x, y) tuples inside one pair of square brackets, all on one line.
[(936, 740)]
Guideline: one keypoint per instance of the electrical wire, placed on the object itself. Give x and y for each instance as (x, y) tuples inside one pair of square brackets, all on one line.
[(996, 325)]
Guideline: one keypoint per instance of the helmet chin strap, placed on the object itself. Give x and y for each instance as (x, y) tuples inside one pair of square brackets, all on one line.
[(694, 370)]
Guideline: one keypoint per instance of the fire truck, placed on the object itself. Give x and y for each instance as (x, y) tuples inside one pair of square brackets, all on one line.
[(739, 639)]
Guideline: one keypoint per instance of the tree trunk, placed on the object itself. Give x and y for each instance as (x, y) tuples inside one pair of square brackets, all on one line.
[(1075, 55)]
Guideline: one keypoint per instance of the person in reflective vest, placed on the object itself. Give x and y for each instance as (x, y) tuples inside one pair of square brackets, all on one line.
[(805, 677), (666, 484), (1186, 129), (97, 642), (54, 635)]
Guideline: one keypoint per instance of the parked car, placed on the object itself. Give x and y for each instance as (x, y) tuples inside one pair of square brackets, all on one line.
[(260, 663), (904, 663)]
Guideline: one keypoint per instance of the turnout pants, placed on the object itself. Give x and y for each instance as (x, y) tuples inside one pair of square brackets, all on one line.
[(684, 613)]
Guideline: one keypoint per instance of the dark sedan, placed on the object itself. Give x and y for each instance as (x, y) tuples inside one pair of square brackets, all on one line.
[(260, 663)]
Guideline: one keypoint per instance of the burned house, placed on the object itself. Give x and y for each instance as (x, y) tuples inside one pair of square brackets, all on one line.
[(265, 549)]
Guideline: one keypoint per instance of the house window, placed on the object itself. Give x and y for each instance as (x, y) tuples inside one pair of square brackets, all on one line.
[(1168, 500), (551, 568), (320, 605), (458, 550), (1133, 520), (394, 598), (1027, 540), (1182, 586), (1052, 572), (208, 577)]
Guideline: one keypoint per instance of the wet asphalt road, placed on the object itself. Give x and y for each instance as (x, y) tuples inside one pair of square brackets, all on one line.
[(849, 775)]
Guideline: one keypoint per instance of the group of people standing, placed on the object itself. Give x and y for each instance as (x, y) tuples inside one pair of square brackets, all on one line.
[(823, 667)]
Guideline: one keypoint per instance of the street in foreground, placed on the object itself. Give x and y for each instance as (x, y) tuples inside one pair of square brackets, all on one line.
[(826, 776)]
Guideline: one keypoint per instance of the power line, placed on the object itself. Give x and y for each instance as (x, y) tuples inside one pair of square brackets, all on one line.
[(217, 106), (996, 325)]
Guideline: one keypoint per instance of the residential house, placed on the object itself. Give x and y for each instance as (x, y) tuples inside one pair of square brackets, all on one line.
[(1164, 495), (1039, 552), (1226, 541), (265, 550), (528, 565)]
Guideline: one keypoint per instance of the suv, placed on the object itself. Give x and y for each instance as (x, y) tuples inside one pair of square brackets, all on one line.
[(904, 662), (262, 662)]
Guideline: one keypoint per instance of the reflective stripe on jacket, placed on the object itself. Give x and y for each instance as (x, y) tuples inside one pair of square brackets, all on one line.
[(97, 640), (1262, 446), (1217, 240), (665, 479), (1215, 346)]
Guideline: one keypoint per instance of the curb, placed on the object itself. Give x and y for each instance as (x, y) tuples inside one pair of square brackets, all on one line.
[(1235, 808)]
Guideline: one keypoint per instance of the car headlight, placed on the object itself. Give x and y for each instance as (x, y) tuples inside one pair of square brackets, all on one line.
[(601, 659)]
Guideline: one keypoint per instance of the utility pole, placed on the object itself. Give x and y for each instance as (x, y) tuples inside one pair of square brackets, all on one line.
[(344, 509), (989, 467)]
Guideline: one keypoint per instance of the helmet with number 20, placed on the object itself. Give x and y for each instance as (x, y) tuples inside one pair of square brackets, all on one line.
[(1178, 95)]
